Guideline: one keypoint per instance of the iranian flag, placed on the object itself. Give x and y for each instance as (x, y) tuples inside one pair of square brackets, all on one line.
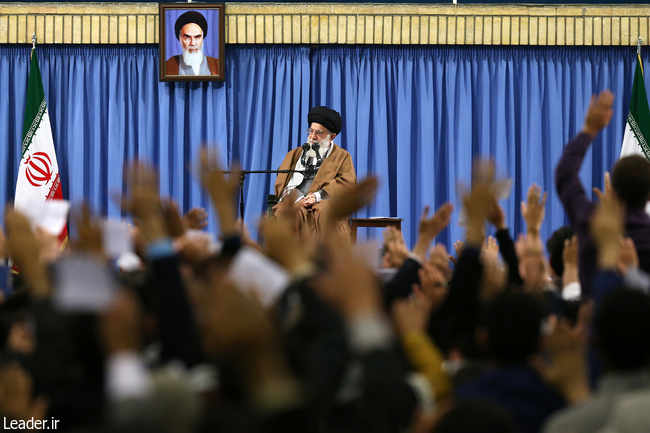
[(637, 130), (38, 175)]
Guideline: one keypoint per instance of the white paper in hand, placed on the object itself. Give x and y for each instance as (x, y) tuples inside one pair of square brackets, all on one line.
[(83, 285), (252, 270), (117, 238), (51, 215)]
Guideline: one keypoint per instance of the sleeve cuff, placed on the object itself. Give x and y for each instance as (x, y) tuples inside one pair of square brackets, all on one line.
[(127, 377), (368, 333), (571, 291)]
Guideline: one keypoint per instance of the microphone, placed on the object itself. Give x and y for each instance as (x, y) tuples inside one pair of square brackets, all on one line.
[(309, 150)]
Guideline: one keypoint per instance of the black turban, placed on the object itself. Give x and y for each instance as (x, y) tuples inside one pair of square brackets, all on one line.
[(327, 117), (191, 17)]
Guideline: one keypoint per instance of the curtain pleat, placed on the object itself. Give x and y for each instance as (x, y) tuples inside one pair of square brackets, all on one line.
[(416, 116), (108, 108)]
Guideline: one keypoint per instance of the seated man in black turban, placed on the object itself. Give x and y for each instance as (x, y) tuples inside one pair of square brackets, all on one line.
[(329, 168), (191, 27)]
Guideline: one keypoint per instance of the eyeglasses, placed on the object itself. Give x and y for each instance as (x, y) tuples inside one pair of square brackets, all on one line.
[(318, 133)]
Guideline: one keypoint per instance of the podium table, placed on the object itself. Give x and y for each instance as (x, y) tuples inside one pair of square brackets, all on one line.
[(372, 222)]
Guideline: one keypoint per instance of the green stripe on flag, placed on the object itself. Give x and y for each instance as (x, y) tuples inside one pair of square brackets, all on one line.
[(27, 141), (639, 117), (35, 105)]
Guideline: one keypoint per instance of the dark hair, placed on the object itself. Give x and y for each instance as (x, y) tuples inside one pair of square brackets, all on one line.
[(631, 180), (555, 248), (476, 417), (513, 323), (13, 310), (623, 330)]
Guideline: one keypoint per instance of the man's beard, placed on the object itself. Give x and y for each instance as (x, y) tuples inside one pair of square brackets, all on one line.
[(322, 144), (193, 59)]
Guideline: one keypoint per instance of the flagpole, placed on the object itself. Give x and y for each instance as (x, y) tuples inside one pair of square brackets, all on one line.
[(34, 45), (638, 53)]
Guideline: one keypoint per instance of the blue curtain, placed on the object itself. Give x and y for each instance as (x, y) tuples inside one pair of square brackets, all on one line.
[(108, 108), (416, 116)]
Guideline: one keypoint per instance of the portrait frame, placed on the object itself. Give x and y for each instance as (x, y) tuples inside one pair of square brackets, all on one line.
[(171, 50)]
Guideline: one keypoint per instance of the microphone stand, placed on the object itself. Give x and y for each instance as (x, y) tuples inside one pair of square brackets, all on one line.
[(242, 178)]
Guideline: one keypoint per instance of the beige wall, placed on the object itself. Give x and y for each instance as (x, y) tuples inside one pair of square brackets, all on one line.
[(118, 23)]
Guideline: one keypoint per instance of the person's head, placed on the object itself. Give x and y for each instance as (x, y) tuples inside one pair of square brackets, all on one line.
[(191, 38), (623, 330), (191, 27), (631, 180), (555, 248), (324, 125), (513, 325)]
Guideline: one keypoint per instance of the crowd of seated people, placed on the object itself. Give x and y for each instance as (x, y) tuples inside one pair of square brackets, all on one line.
[(302, 335)]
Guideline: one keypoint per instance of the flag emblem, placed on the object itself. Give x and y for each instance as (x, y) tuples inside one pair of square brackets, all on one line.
[(39, 169)]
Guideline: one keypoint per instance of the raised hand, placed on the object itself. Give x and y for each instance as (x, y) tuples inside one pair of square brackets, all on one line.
[(607, 224), (493, 280), (89, 231), (49, 246), (351, 199), (497, 217), (459, 247), (23, 248), (490, 248), (396, 249), (411, 314), (479, 201), (629, 255), (533, 210), (196, 218), (222, 189), (439, 258), (567, 347), (430, 227), (349, 285), (433, 286), (144, 201), (282, 237), (173, 218), (599, 113), (608, 187)]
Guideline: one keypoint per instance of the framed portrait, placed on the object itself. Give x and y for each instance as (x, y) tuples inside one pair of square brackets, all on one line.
[(192, 42)]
